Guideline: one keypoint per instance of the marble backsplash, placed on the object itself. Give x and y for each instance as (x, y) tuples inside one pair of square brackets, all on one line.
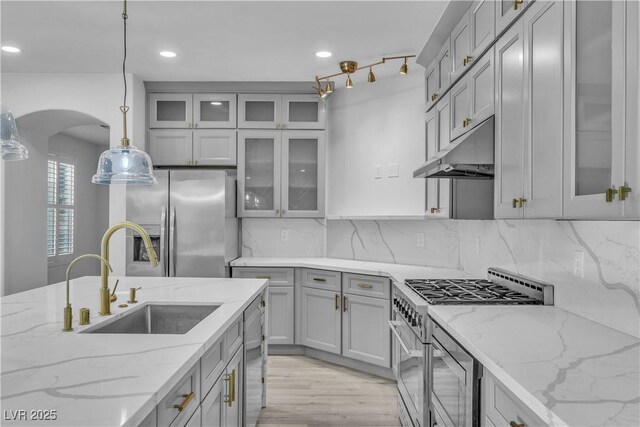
[(608, 291)]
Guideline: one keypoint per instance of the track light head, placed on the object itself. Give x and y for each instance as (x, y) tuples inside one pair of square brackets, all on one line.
[(349, 82), (329, 87), (372, 77), (404, 69)]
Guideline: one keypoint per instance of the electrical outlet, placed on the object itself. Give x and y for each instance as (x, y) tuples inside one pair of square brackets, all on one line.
[(420, 240), (477, 246), (284, 235), (378, 172), (578, 264)]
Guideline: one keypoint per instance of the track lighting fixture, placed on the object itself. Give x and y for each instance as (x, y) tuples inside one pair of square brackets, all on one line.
[(351, 67), (371, 77)]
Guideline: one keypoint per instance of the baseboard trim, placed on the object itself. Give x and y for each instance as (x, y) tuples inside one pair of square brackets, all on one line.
[(358, 365)]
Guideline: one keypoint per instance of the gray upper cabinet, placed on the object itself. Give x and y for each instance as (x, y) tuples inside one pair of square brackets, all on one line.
[(460, 48), (431, 85), (198, 147), (186, 110), (438, 189), (601, 92), (170, 110), (482, 27), (507, 11), (444, 66), (529, 123), (264, 111)]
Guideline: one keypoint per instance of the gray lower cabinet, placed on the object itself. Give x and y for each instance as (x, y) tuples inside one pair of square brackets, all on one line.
[(213, 406), (280, 318), (196, 419), (321, 319), (365, 330), (181, 402)]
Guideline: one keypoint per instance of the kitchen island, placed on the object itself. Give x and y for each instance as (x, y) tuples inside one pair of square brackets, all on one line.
[(51, 377)]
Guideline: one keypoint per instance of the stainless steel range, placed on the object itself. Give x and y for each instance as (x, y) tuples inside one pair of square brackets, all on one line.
[(438, 380)]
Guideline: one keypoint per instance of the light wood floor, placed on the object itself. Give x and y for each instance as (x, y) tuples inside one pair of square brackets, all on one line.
[(302, 391)]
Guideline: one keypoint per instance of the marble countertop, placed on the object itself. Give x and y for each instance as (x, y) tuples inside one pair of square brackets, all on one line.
[(100, 379), (567, 369), (396, 272)]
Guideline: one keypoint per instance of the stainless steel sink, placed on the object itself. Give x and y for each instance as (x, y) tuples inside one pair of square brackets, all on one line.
[(156, 319)]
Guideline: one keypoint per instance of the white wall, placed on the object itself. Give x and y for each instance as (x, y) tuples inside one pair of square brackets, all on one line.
[(371, 124), (98, 95), (90, 198)]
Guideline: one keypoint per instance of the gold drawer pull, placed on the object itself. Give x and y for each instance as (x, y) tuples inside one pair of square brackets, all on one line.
[(434, 96), (514, 203), (516, 3), (233, 386), (344, 303), (515, 424), (187, 398), (263, 277), (317, 279), (609, 193), (466, 122), (364, 285), (521, 202), (228, 400), (337, 303)]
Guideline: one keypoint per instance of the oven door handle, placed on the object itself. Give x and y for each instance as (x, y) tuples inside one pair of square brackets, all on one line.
[(393, 325)]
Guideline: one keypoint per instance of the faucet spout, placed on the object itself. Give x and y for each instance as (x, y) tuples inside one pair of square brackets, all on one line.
[(67, 308), (105, 303)]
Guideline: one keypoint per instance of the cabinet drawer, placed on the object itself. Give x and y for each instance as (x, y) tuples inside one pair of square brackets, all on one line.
[(503, 407), (276, 276), (321, 279), (372, 286), (182, 401), (233, 336), (212, 364)]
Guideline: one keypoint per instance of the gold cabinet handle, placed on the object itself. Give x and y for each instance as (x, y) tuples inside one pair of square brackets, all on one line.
[(263, 277), (318, 279), (434, 96), (344, 303), (622, 192), (516, 3), (337, 303), (228, 400), (521, 202), (434, 210), (609, 194), (187, 398), (233, 386), (515, 424), (467, 60), (466, 122), (364, 285), (514, 203)]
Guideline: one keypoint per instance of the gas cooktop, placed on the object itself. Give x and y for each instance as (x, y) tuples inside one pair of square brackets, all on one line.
[(467, 291)]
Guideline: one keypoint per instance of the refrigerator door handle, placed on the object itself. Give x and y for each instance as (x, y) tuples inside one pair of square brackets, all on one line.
[(163, 253), (172, 241)]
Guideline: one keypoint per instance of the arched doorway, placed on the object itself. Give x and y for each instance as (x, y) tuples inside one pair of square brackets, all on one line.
[(52, 211)]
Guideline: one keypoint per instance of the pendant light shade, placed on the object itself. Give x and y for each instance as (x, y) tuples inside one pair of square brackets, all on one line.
[(11, 149), (124, 164)]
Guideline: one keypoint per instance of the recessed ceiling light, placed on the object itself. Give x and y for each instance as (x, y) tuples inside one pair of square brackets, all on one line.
[(168, 54), (323, 54), (216, 103), (10, 49)]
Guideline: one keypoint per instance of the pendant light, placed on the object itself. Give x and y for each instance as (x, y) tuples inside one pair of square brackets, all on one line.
[(124, 164), (372, 77), (11, 149)]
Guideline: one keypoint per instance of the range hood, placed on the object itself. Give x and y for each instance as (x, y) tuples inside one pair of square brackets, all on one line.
[(468, 157)]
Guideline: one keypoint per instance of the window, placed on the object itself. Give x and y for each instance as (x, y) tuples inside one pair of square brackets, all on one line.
[(60, 209)]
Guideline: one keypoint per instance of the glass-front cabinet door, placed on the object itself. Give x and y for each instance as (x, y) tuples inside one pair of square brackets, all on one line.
[(259, 111), (595, 109), (259, 173), (302, 112), (214, 111), (170, 110), (303, 158)]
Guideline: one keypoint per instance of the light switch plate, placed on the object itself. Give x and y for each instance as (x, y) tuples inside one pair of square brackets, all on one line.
[(378, 174), (578, 264), (284, 235), (393, 170)]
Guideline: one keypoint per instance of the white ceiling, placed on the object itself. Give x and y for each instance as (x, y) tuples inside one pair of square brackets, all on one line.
[(214, 40)]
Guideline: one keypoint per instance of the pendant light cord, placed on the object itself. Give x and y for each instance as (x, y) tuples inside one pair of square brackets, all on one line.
[(124, 60)]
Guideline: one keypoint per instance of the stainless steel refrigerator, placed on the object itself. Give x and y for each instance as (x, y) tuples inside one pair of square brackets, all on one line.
[(191, 219)]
